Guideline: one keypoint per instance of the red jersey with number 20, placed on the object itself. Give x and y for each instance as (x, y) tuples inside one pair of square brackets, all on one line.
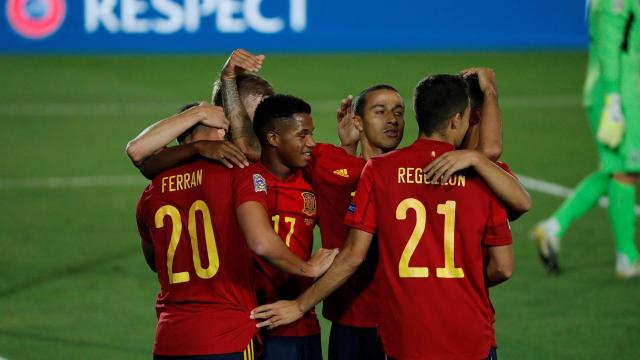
[(203, 262), (334, 175), (434, 303), (292, 208)]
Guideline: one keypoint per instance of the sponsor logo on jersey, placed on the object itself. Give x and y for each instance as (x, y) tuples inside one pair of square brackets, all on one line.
[(342, 172), (35, 19), (309, 207), (259, 184)]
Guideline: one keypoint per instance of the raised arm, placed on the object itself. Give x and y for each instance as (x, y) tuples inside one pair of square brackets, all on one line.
[(154, 138), (506, 187), (490, 127), (241, 127), (346, 263)]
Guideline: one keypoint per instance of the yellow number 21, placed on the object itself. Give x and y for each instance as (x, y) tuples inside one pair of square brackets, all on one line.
[(447, 209)]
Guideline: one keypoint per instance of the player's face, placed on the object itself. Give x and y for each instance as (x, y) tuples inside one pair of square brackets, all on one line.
[(251, 102), (383, 120), (296, 141)]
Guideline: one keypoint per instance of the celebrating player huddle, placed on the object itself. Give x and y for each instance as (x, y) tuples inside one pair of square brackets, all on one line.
[(418, 234)]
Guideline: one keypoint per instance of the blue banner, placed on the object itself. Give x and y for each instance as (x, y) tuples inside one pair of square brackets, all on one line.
[(197, 26)]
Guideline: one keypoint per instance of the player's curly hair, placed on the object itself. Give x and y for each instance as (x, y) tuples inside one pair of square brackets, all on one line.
[(437, 98), (274, 110), (475, 93)]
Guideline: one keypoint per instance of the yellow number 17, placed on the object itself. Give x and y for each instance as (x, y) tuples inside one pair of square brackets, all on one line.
[(447, 209)]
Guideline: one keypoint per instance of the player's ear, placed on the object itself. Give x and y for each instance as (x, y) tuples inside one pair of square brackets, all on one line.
[(455, 121), (272, 138), (357, 122)]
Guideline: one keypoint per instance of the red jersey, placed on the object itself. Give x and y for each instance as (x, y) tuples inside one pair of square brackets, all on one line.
[(292, 208), (203, 262), (434, 303), (334, 175)]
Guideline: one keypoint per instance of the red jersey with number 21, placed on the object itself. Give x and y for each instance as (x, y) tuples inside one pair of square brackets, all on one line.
[(434, 303)]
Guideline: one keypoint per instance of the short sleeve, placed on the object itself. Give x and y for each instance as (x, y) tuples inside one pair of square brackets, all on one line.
[(249, 185), (498, 231), (361, 213)]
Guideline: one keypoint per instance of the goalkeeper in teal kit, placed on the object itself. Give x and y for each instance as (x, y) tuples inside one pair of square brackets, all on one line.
[(612, 101)]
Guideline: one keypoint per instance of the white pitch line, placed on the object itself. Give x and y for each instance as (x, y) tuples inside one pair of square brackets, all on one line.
[(530, 183), (557, 190), (110, 108)]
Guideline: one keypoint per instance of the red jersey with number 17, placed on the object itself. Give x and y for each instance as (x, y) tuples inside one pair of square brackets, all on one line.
[(203, 262), (434, 303), (292, 208), (334, 175)]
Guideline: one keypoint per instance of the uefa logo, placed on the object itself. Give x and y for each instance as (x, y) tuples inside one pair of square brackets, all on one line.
[(35, 19)]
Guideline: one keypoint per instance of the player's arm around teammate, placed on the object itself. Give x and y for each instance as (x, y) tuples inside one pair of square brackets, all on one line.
[(149, 153), (484, 144), (345, 264)]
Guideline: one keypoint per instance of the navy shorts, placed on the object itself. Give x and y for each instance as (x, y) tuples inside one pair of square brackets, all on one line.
[(352, 343), (291, 348)]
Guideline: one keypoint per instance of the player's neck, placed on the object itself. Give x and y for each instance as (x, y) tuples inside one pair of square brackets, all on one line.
[(275, 166), (437, 137), (369, 150)]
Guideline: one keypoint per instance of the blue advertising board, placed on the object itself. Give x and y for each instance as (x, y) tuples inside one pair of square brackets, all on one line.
[(197, 26)]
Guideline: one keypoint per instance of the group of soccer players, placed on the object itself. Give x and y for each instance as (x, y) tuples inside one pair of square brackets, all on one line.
[(227, 222)]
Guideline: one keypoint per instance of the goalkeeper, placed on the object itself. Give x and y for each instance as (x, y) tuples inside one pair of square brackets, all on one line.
[(612, 101)]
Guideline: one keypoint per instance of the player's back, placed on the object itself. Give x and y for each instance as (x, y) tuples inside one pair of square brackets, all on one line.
[(202, 260), (434, 301)]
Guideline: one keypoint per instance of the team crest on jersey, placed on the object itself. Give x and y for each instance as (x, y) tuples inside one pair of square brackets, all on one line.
[(309, 207), (35, 19), (259, 184)]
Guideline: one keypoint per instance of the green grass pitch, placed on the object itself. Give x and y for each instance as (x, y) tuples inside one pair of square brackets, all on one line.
[(73, 283)]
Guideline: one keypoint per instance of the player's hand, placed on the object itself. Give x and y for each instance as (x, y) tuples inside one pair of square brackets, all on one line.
[(279, 313), (223, 152), (611, 128), (321, 260), (347, 132), (239, 62), (486, 78), (212, 115), (449, 163)]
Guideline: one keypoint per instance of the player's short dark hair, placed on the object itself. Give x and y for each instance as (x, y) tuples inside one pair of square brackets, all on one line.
[(437, 98), (187, 132), (248, 84), (361, 100), (475, 93), (275, 109)]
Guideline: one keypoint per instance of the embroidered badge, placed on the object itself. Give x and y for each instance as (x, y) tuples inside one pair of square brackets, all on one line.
[(309, 207), (259, 184)]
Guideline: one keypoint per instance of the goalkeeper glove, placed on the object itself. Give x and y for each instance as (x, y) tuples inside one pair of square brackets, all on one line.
[(611, 128)]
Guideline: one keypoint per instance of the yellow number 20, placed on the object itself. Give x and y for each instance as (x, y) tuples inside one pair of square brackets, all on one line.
[(209, 239), (447, 209)]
